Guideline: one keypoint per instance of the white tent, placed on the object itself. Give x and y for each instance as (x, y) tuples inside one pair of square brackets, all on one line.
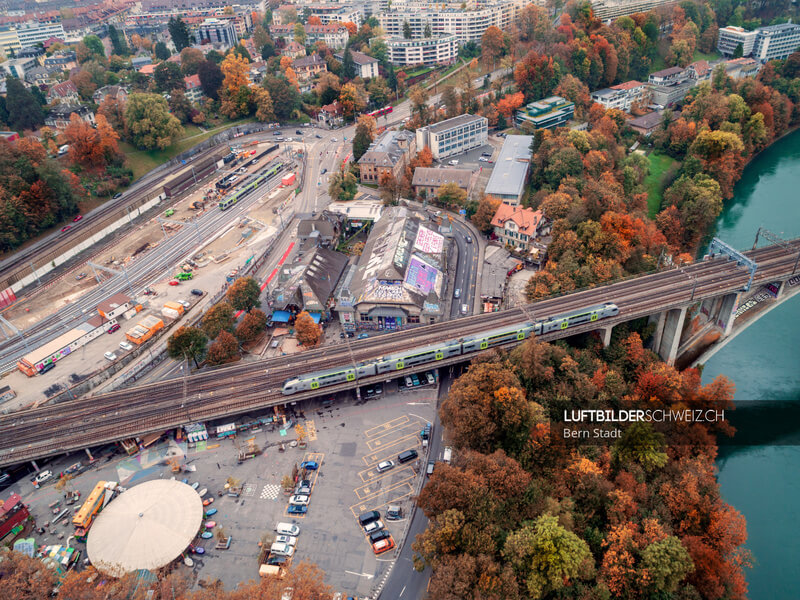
[(146, 527)]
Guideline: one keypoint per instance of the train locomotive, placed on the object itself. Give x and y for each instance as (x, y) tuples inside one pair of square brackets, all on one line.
[(431, 354)]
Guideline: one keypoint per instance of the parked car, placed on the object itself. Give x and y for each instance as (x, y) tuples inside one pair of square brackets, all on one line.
[(298, 132), (363, 336), (196, 292), (309, 465), (297, 509), (77, 218), (117, 195), (287, 529), (370, 528), (110, 356), (174, 282), (429, 470), (73, 468), (299, 499), (383, 545), (276, 133), (454, 161), (429, 376), (80, 276), (47, 367), (184, 303), (394, 512), (377, 536), (384, 466), (415, 379), (349, 334), (43, 476), (66, 228), (483, 159), (126, 345), (368, 517), (304, 488), (486, 153), (286, 539), (113, 328)]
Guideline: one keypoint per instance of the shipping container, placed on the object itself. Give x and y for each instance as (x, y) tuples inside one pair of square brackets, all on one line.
[(288, 179)]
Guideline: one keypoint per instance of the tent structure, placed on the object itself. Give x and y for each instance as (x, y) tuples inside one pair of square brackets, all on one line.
[(146, 527)]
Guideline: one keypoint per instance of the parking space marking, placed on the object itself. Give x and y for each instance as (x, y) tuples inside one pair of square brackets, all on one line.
[(384, 454), (363, 506), (364, 475), (270, 492), (377, 430), (367, 491), (411, 427)]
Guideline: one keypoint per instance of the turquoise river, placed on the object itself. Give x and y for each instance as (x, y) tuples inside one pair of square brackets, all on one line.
[(763, 481)]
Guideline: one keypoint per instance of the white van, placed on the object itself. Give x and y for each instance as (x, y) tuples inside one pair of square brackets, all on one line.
[(447, 454), (281, 549), (287, 529)]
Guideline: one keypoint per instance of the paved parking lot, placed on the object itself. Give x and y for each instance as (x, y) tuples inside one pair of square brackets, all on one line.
[(348, 439)]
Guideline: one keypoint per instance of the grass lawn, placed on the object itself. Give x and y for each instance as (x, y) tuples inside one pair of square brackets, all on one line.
[(711, 56), (144, 161), (653, 183)]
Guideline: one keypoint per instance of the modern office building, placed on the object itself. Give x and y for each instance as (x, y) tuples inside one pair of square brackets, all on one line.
[(454, 136), (17, 67), (730, 37), (776, 41), (30, 34), (507, 181), (554, 111), (608, 10), (439, 50), (217, 31), (623, 95)]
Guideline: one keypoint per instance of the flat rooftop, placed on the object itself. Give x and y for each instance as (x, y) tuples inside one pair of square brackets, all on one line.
[(511, 167)]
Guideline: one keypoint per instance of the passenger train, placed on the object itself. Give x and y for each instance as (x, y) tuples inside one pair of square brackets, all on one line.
[(466, 345), (251, 184)]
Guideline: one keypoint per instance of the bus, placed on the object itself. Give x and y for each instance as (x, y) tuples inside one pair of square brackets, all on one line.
[(381, 111), (84, 518)]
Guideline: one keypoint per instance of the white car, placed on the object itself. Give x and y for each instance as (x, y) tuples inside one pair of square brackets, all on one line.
[(334, 140), (454, 161), (110, 356), (287, 529), (299, 500), (43, 476), (384, 466), (286, 539), (125, 346), (373, 527), (483, 159), (184, 303)]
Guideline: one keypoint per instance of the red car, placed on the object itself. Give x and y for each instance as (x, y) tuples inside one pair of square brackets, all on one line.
[(78, 218), (66, 228), (174, 282)]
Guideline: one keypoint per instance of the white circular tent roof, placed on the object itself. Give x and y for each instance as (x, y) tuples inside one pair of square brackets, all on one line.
[(145, 527)]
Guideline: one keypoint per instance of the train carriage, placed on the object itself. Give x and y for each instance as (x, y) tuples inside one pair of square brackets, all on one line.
[(497, 337), (579, 317), (400, 361)]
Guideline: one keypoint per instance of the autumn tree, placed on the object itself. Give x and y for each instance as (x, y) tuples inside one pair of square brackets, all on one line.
[(342, 186), (487, 207), (263, 103), (492, 45), (191, 58), (577, 92), (536, 76), (84, 83), (150, 124), (179, 106), (389, 188), (306, 330), (251, 326), (720, 154), (167, 77), (352, 99), (365, 134), (90, 147), (186, 343), (223, 349), (216, 319), (244, 294), (508, 104), (450, 194)]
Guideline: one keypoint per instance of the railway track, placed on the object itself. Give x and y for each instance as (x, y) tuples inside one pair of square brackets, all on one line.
[(252, 386)]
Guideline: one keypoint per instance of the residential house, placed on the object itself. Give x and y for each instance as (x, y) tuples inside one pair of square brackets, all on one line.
[(139, 61), (646, 124), (65, 93), (308, 67), (194, 91), (623, 95), (699, 71), (40, 76), (427, 181), (519, 227), (387, 155), (115, 92), (366, 66), (62, 60), (257, 71), (331, 114), (61, 114), (321, 230), (294, 50)]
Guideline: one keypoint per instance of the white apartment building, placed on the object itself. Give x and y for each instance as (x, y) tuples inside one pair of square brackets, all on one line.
[(9, 41), (366, 66), (441, 50), (776, 41), (335, 13), (31, 34), (607, 10), (730, 37), (623, 95), (454, 136), (217, 31), (466, 25)]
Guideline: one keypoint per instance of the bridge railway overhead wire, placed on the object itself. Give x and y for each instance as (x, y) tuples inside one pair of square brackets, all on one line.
[(229, 390)]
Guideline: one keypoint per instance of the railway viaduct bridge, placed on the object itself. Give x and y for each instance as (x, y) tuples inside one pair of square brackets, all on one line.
[(718, 296)]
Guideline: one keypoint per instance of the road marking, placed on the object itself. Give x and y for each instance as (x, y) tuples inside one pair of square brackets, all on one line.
[(311, 428), (377, 442), (357, 509), (367, 575), (377, 430), (376, 457), (401, 591)]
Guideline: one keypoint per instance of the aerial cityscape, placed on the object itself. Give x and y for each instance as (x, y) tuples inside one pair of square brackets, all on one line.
[(399, 299)]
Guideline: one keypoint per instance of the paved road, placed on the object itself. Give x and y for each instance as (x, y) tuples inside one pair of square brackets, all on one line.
[(406, 583), (466, 269)]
